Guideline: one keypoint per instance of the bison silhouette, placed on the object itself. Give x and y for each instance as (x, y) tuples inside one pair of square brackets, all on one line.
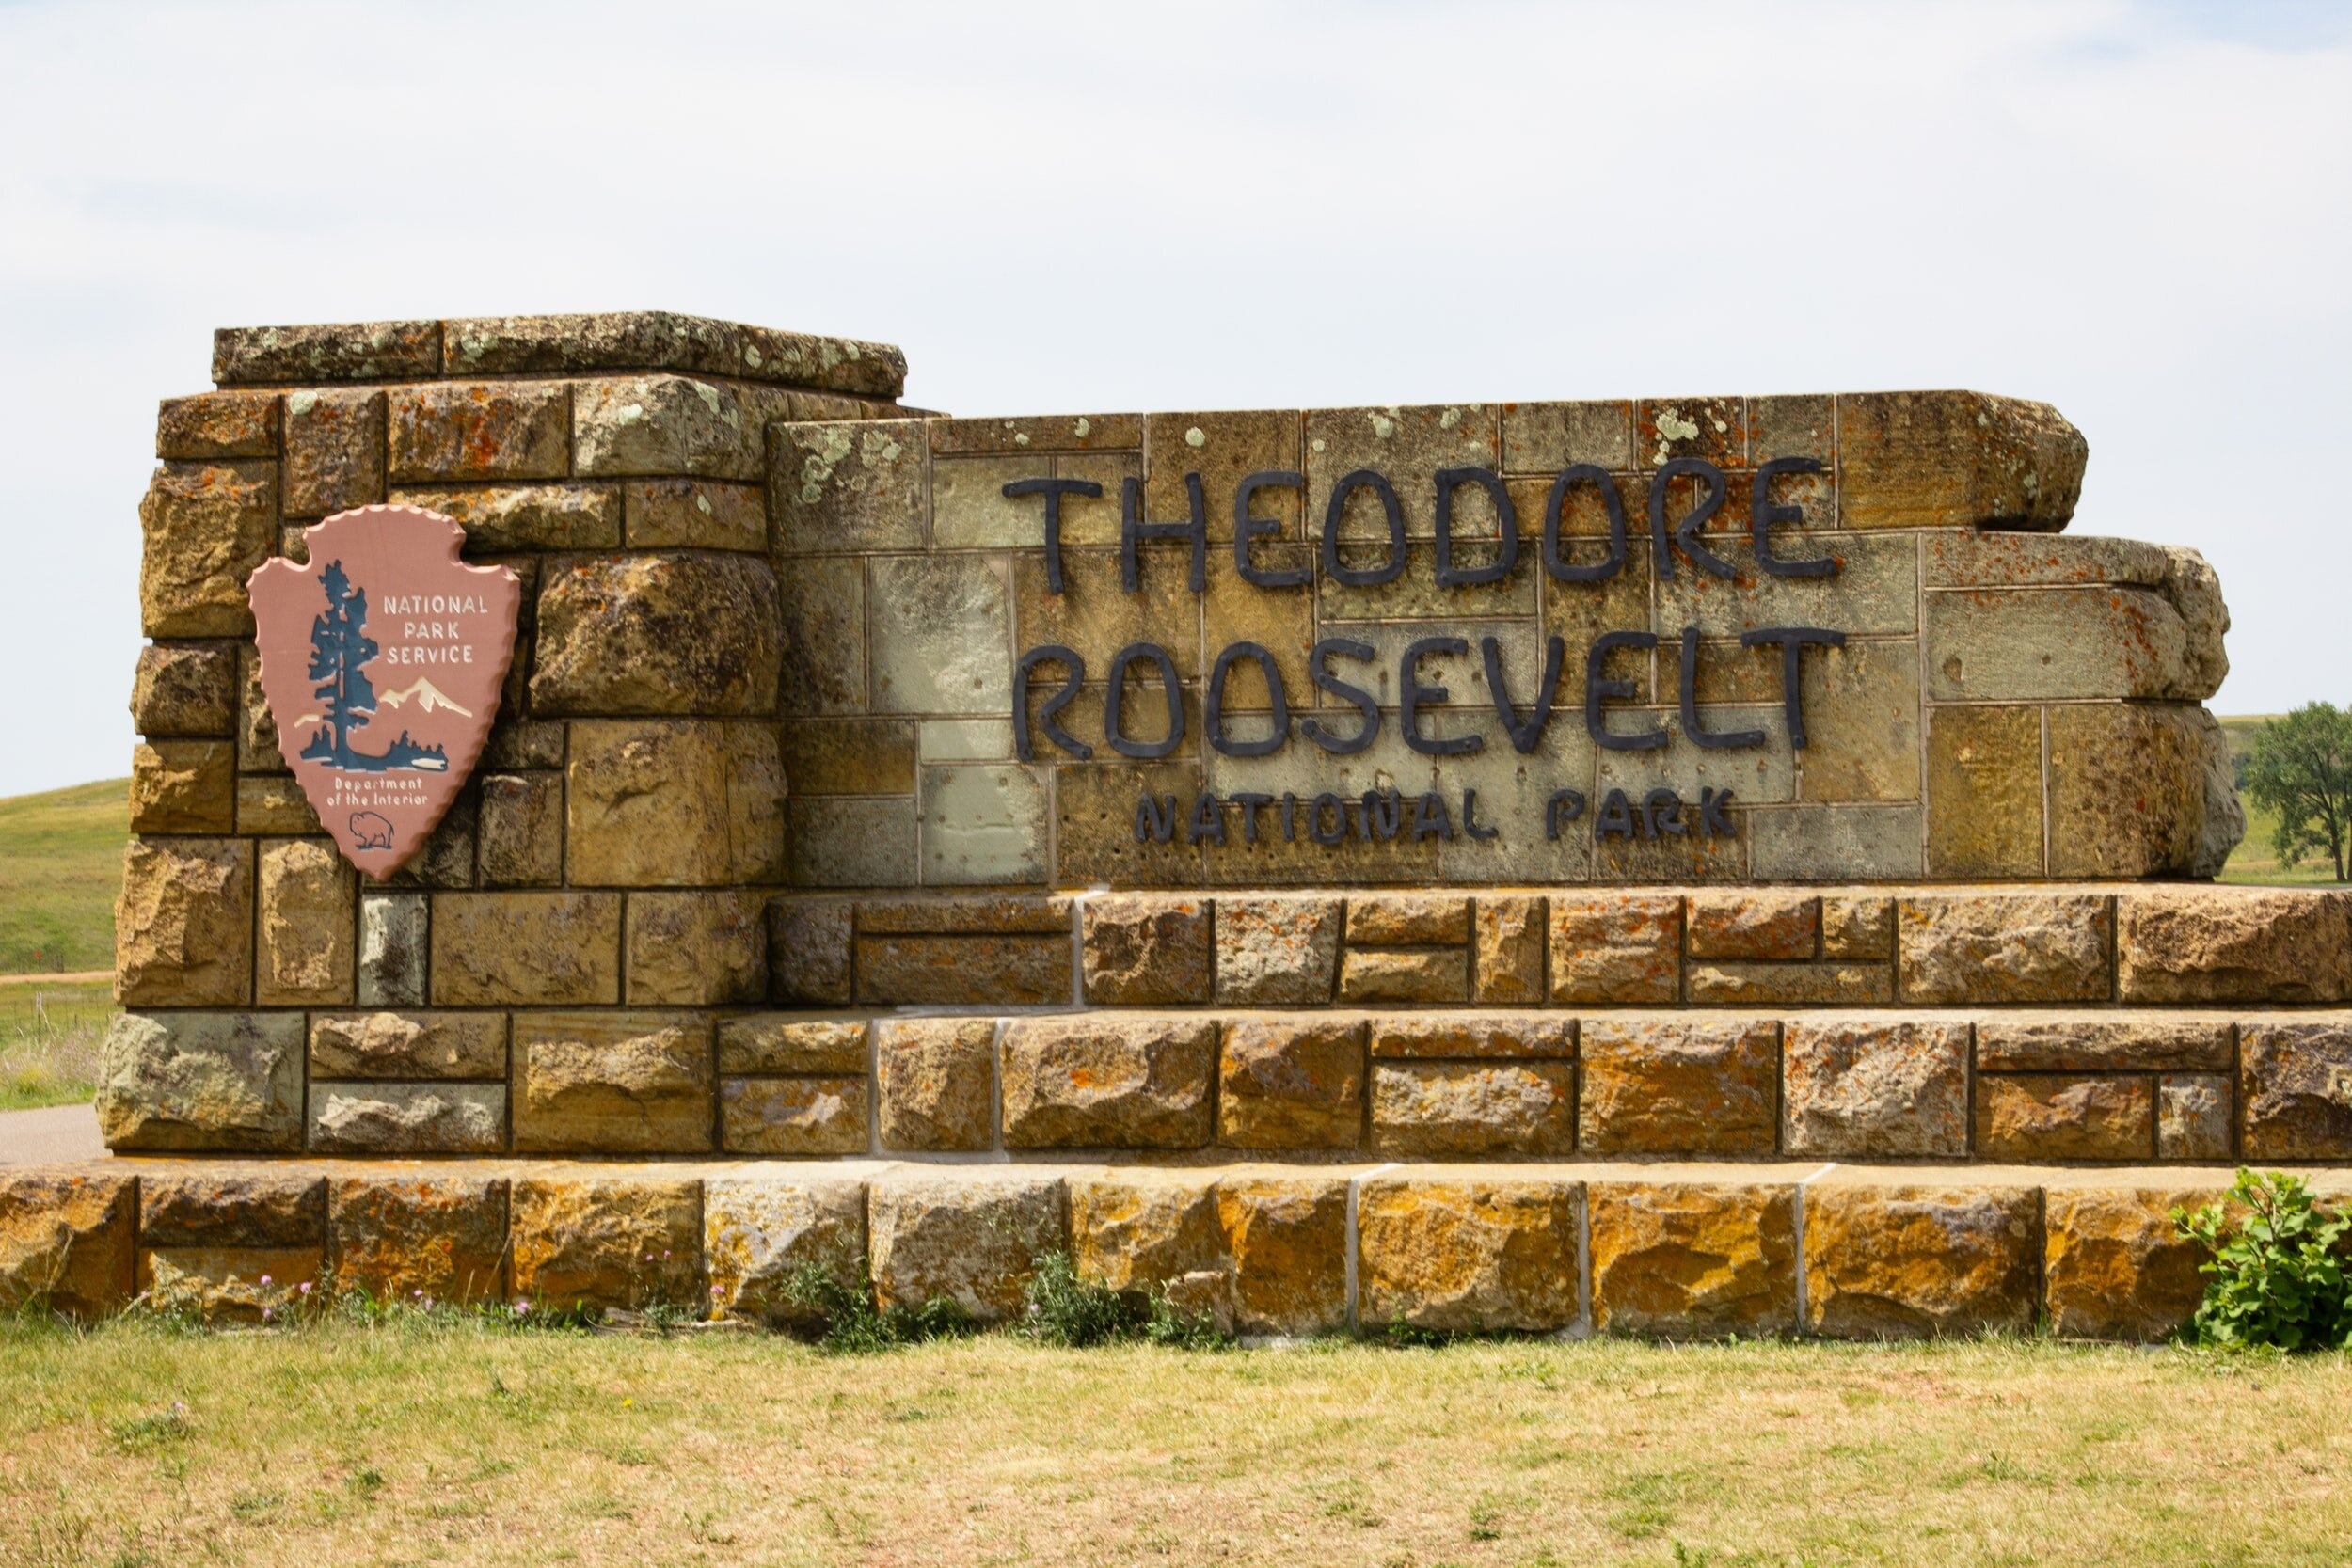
[(370, 830)]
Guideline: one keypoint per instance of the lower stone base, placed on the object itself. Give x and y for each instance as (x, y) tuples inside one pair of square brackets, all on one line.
[(1681, 1250)]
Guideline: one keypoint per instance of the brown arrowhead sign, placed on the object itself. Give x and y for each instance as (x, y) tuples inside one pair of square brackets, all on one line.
[(382, 660)]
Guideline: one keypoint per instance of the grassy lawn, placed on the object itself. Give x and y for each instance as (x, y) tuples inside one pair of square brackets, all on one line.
[(451, 1443), (60, 863), (49, 1036)]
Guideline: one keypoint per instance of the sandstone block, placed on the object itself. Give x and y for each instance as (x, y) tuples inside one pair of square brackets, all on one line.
[(759, 1231), (1408, 919), (334, 451), (646, 804), (966, 914), (2102, 1042), (1857, 926), (1861, 722), (399, 1237), (983, 823), (1136, 1227), (968, 1237), (848, 487), (1825, 842), (694, 514), (352, 351), (2196, 1113), (1897, 1262), (274, 805), (1994, 558), (1469, 1254), (232, 1208), (408, 1119), (787, 1043), (1984, 791), (933, 1075), (202, 1081), (229, 1285), (658, 634), (184, 787), (610, 1082), (482, 430), (1693, 1259), (1494, 1035), (2233, 944), (591, 1242), (2128, 790), (66, 1241), (2297, 1080), (1008, 970), (2112, 1266), (1472, 1110), (794, 1116), (1679, 1086), (499, 519), (2004, 947), (1615, 947), (1292, 1083), (184, 923), (186, 690), (1276, 952), (308, 944), (395, 933), (1381, 974), (1508, 950), (2036, 644), (1141, 950), (691, 949), (218, 424), (808, 951), (408, 1045), (1287, 1238), (940, 635), (1753, 925), (823, 652), (850, 756), (666, 341), (1953, 459), (519, 830), (1789, 984), (206, 527), (2038, 1116), (1097, 1081), (1875, 1086), (654, 425), (509, 949)]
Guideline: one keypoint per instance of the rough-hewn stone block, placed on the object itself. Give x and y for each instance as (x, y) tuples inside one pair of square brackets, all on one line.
[(1878, 1085), (808, 951), (334, 451), (2195, 1115), (658, 634), (506, 517), (696, 949), (229, 1285), (408, 1119), (761, 1230), (1502, 1035), (848, 487), (1404, 975), (611, 1083), (1408, 919), (660, 425), (794, 1116), (607, 340), (934, 1080), (1136, 1228), (216, 424), (344, 351), (2298, 1078), (1099, 1081), (1295, 1081), (184, 787), (1141, 950), (519, 830), (484, 430), (274, 805), (2233, 944), (2037, 644), (202, 1081), (232, 1206), (2036, 1116), (969, 1237), (408, 1045), (786, 1043), (1508, 950), (404, 1236), (2004, 947), (395, 934), (1693, 1258), (508, 949), (592, 1242), (1472, 1110), (1753, 925), (1984, 791), (186, 690), (1276, 952), (307, 926), (206, 526), (1287, 1237), (1953, 459), (1678, 1085), (1903, 1261), (66, 1241), (1792, 985), (1468, 1251), (693, 514), (980, 971), (1857, 926), (2128, 791), (2113, 1267), (646, 804), (1615, 947)]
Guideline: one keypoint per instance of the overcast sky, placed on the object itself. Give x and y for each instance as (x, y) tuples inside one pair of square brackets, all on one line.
[(2139, 213)]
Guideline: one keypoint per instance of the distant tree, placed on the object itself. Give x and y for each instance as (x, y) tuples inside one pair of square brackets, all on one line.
[(2299, 768)]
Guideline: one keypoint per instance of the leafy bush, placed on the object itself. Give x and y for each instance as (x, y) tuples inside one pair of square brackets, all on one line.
[(1061, 1308), (849, 1321), (2275, 1275)]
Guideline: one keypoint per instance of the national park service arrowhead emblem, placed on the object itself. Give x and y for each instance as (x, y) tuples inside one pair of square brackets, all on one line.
[(382, 661)]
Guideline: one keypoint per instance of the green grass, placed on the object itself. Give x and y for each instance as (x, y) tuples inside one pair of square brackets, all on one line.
[(49, 1037), (60, 863), (2254, 862), (451, 1441)]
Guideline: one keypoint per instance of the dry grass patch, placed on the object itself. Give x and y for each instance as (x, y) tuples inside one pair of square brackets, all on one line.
[(453, 1443)]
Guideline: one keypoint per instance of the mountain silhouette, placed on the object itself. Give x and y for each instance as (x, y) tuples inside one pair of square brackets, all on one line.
[(427, 697)]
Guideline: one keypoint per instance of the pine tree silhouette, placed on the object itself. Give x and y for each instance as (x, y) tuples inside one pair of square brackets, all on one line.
[(340, 650)]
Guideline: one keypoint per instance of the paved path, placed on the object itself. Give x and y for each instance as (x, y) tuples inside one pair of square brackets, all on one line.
[(45, 1137)]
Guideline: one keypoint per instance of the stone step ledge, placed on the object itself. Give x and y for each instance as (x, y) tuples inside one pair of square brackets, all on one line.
[(1269, 1250)]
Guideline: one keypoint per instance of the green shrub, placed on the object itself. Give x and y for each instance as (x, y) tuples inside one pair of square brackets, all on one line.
[(847, 1320), (1061, 1308), (2275, 1274)]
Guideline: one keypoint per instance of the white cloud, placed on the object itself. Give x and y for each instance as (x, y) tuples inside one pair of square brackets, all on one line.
[(2142, 213)]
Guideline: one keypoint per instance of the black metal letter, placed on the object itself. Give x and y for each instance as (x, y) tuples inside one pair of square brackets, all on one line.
[(1247, 528), (1687, 531), (1792, 640), (1324, 680), (1368, 576), (1524, 737), (1596, 688), (1450, 576), (1132, 528), (1116, 697), (1410, 694), (1212, 711), (1711, 739), (1561, 570), (1565, 805), (1077, 672), (1053, 490), (1762, 515)]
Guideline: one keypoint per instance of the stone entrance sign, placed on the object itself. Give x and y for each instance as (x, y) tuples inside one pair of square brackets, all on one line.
[(1625, 863)]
